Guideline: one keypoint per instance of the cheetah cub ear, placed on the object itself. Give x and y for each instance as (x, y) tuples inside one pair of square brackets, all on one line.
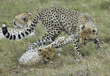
[(25, 18), (30, 14)]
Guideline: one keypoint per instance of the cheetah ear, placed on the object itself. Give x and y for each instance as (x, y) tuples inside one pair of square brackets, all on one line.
[(29, 14), (25, 18)]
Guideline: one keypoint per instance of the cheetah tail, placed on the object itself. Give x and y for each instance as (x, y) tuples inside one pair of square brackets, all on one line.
[(16, 36)]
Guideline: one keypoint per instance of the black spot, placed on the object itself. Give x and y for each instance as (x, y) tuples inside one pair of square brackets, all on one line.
[(22, 34), (29, 30), (77, 48), (35, 22), (75, 45), (74, 42), (34, 19), (8, 35), (4, 30), (19, 36), (47, 35), (44, 43), (38, 40), (11, 37), (53, 38), (93, 30), (95, 41), (83, 27), (32, 27), (26, 33), (14, 37), (58, 31)]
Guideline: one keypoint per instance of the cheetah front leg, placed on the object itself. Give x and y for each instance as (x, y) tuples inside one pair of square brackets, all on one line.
[(78, 56), (47, 38), (97, 42), (75, 40)]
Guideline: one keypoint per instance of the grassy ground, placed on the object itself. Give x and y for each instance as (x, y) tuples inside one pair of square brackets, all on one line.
[(96, 64)]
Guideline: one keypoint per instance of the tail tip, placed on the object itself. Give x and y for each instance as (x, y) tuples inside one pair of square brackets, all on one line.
[(3, 25)]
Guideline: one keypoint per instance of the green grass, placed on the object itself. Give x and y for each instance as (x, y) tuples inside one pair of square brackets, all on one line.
[(10, 51)]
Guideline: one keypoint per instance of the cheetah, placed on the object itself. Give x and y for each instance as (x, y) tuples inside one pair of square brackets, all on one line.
[(82, 27), (42, 54)]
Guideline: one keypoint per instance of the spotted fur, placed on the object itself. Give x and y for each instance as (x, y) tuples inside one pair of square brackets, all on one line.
[(55, 20), (42, 53), (22, 21)]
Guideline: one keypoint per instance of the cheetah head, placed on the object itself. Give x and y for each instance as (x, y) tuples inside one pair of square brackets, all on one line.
[(87, 33), (22, 20)]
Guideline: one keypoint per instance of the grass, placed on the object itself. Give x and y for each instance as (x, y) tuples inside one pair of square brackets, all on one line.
[(98, 64)]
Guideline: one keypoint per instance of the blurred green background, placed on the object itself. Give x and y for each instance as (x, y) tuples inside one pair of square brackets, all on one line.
[(10, 51)]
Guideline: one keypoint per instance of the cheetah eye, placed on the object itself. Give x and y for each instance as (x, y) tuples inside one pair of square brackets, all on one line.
[(25, 18), (93, 30)]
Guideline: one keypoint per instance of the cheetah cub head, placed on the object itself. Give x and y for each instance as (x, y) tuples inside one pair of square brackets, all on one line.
[(22, 20), (87, 33)]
